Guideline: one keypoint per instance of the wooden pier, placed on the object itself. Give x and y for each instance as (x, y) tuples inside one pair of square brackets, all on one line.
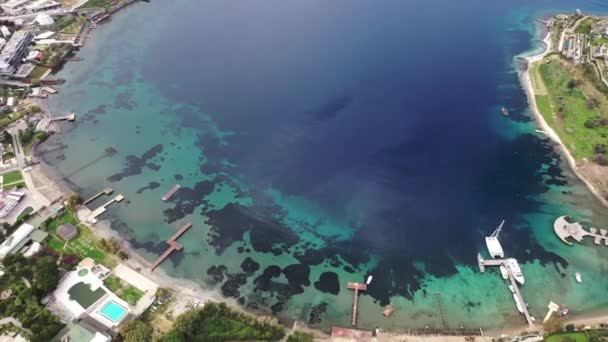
[(171, 192), (106, 191), (439, 303), (503, 262), (92, 218), (357, 287), (173, 245), (69, 117)]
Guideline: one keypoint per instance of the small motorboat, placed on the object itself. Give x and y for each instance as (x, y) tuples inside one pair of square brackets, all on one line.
[(504, 111), (578, 277), (369, 279)]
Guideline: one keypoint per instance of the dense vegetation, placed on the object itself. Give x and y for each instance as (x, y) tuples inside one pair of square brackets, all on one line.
[(217, 323), (135, 331), (30, 281), (299, 336)]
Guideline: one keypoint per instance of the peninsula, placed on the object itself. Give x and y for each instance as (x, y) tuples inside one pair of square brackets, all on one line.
[(567, 88)]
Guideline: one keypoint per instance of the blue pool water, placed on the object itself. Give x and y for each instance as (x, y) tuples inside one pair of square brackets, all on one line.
[(113, 311)]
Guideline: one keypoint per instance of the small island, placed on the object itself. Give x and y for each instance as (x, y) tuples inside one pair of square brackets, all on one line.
[(567, 86)]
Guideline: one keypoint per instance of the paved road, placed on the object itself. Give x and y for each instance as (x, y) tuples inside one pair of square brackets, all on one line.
[(27, 177)]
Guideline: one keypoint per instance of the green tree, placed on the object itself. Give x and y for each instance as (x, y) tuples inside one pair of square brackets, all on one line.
[(136, 331), (299, 336), (46, 274), (553, 325)]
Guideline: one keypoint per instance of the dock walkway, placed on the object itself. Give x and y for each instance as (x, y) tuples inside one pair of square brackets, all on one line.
[(503, 262), (69, 117), (356, 287), (173, 245), (92, 218), (106, 191)]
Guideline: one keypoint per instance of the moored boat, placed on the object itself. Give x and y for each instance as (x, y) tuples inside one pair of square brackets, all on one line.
[(518, 303), (516, 270), (578, 277), (503, 273), (504, 111), (493, 245)]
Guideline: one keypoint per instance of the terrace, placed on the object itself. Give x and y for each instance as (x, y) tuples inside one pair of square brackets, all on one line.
[(82, 293)]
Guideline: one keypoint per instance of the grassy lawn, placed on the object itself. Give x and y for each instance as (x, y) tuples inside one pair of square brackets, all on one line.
[(575, 336), (128, 292), (599, 40), (61, 23), (113, 283), (9, 119), (55, 244), (37, 72), (66, 216), (131, 294), (585, 26), (96, 3), (567, 109), (85, 244), (74, 27), (13, 177)]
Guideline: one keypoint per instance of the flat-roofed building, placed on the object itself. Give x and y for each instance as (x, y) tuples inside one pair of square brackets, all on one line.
[(14, 50), (16, 240)]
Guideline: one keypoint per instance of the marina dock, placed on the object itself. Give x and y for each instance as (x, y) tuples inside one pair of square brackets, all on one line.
[(503, 263), (357, 287), (106, 191), (565, 230), (69, 117), (173, 245), (92, 218), (171, 192)]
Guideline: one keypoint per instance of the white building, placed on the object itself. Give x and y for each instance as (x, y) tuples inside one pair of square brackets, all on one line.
[(44, 19), (16, 240), (14, 50), (5, 32)]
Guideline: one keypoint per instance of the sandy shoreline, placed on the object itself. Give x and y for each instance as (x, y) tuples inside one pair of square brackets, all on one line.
[(544, 126)]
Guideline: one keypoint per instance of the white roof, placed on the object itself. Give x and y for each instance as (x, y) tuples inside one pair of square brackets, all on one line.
[(45, 35), (99, 337), (14, 239), (44, 19), (10, 101), (33, 249)]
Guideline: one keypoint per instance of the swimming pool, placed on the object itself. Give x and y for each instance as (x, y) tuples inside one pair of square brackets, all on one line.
[(113, 311)]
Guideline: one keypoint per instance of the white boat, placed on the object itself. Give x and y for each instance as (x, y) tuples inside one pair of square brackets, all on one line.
[(511, 289), (493, 245), (369, 279), (514, 266), (504, 273), (578, 277), (518, 303)]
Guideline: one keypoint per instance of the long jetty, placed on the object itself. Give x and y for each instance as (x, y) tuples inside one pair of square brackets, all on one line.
[(69, 117), (173, 246), (356, 287), (106, 191), (503, 262)]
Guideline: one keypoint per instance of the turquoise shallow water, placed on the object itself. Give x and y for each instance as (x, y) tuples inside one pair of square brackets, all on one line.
[(319, 149)]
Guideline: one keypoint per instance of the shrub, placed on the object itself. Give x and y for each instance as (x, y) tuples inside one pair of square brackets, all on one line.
[(601, 159), (599, 148)]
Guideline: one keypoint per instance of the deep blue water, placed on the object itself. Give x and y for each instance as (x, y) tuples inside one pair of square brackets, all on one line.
[(365, 137)]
